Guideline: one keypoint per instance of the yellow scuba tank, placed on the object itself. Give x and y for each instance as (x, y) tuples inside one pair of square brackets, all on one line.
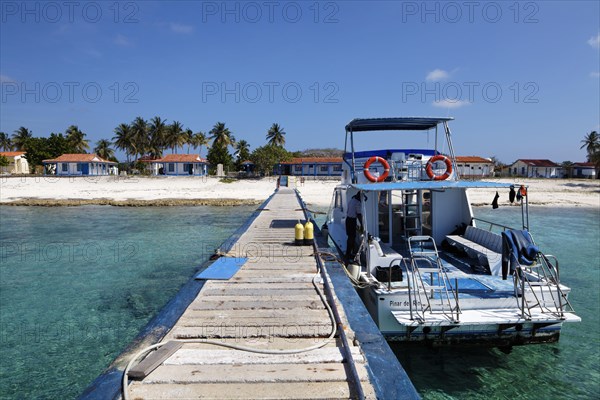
[(308, 233), (299, 234)]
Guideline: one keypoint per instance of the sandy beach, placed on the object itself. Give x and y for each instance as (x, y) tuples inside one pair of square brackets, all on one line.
[(164, 191)]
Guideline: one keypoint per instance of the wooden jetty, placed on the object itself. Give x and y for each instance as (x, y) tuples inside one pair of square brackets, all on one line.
[(270, 304)]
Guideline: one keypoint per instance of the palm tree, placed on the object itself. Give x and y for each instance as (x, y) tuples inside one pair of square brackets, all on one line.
[(76, 139), (175, 136), (140, 140), (5, 142), (123, 140), (158, 136), (591, 142), (221, 136), (21, 136), (103, 149), (567, 166), (189, 138), (242, 150), (276, 136), (199, 139)]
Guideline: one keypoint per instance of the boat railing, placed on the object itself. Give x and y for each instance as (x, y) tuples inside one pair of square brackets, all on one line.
[(438, 281), (407, 170), (542, 281), (492, 224)]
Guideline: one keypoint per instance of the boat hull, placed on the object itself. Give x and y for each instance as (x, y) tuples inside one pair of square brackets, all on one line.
[(498, 325)]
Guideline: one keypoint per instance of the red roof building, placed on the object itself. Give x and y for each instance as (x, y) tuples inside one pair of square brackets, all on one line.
[(179, 164), (474, 167), (535, 168), (79, 164), (584, 170), (311, 166), (17, 162)]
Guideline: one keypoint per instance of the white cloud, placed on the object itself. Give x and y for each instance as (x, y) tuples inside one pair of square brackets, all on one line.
[(595, 74), (595, 41), (437, 75), (450, 103), (123, 41), (180, 28), (6, 79)]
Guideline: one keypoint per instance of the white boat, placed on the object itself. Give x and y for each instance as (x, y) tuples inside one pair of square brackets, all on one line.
[(426, 268)]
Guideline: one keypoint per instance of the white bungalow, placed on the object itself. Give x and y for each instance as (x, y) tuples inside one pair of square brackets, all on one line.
[(584, 170), (18, 162), (474, 167), (179, 164), (79, 164), (535, 169), (311, 166)]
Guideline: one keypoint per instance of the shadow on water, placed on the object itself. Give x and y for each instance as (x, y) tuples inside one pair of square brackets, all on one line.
[(526, 372), (449, 370)]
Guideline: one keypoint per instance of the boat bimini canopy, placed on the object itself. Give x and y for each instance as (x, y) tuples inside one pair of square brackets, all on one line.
[(395, 124)]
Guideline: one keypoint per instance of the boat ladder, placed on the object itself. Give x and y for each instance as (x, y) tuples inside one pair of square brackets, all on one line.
[(412, 213), (433, 295), (542, 293)]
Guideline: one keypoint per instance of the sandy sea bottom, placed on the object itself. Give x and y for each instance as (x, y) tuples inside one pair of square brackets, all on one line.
[(78, 283)]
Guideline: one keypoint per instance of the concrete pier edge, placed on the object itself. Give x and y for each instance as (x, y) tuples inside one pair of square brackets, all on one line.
[(388, 377)]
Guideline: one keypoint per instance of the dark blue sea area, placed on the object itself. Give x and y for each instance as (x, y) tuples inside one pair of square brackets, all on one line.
[(78, 283)]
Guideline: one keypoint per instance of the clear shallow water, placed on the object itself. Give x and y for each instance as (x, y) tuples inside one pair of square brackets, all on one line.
[(65, 314), (77, 285), (569, 369)]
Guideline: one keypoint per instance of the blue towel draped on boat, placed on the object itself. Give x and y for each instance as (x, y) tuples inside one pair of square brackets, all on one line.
[(517, 249)]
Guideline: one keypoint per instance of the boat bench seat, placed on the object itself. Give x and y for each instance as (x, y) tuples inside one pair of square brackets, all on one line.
[(484, 245)]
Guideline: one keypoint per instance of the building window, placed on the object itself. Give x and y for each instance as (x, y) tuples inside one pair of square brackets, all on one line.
[(65, 167), (78, 167), (171, 167), (298, 168), (522, 170), (186, 167), (324, 168), (337, 168)]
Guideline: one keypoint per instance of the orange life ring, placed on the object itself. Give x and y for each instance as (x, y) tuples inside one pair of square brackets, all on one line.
[(386, 169), (429, 168)]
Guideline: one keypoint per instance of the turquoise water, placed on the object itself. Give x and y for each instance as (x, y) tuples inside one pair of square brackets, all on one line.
[(569, 369), (78, 283)]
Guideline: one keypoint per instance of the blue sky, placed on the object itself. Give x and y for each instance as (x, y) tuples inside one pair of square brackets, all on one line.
[(521, 78)]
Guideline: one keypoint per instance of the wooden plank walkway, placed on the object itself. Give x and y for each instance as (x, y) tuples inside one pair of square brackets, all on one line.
[(270, 303)]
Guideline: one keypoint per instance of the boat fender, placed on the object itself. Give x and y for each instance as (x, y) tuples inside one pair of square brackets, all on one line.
[(299, 234), (325, 231), (429, 168), (378, 248), (354, 270), (369, 175), (308, 233)]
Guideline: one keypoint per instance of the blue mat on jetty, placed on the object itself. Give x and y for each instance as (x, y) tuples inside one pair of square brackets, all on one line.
[(223, 268)]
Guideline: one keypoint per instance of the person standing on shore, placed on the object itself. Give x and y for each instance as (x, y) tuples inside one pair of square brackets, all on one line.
[(352, 215)]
